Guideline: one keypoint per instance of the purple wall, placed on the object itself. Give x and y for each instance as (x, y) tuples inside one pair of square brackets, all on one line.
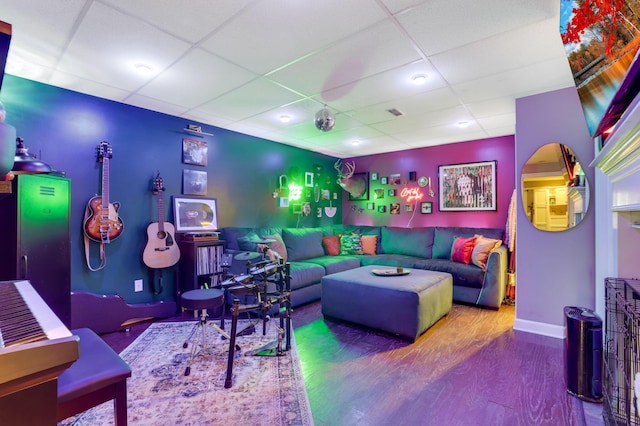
[(425, 162), (553, 269)]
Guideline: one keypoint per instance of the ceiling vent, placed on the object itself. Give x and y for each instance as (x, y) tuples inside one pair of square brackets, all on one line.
[(396, 112)]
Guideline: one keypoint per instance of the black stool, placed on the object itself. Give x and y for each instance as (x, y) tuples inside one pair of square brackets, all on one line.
[(202, 300)]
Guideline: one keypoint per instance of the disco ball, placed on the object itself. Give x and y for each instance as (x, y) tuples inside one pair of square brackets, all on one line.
[(324, 120)]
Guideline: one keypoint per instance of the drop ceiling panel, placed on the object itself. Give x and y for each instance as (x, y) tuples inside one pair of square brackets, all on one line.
[(190, 23), (156, 105), (108, 43), (196, 78), (82, 85), (275, 33), (344, 62)]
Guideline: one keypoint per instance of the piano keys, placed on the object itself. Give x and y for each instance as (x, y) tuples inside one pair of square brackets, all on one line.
[(36, 348)]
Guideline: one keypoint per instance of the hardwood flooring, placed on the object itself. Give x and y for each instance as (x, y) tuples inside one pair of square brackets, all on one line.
[(470, 368)]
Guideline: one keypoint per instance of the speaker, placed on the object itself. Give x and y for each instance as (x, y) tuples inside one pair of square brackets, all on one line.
[(583, 353)]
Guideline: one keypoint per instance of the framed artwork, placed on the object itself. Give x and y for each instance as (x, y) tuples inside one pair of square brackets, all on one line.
[(408, 207), (392, 193), (394, 208), (194, 152), (467, 187), (193, 214), (361, 178), (308, 179), (382, 209), (194, 182), (383, 180), (370, 206), (378, 193), (426, 207), (374, 176), (395, 179)]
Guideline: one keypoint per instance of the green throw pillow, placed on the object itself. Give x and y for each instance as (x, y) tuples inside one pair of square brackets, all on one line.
[(350, 244)]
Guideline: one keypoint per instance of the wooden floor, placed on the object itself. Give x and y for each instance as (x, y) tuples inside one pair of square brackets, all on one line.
[(470, 368)]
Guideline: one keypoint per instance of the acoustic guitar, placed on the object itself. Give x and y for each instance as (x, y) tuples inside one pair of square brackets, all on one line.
[(103, 224), (161, 250)]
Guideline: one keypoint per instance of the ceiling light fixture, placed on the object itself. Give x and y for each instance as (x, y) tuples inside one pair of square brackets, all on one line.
[(463, 124), (419, 79), (285, 118), (355, 142), (143, 69)]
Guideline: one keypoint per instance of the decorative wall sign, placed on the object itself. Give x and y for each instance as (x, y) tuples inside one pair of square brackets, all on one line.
[(195, 214), (411, 194), (426, 207), (467, 187), (194, 182), (194, 152)]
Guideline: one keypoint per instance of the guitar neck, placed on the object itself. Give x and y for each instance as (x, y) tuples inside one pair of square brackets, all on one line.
[(160, 212), (105, 182)]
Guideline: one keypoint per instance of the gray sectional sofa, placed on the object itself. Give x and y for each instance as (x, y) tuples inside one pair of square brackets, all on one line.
[(422, 248)]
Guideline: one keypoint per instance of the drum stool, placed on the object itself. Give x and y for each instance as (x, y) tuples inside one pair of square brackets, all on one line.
[(202, 300)]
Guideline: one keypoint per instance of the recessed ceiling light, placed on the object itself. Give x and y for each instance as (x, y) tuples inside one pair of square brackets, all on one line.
[(143, 69), (463, 124), (419, 79), (285, 118), (355, 142)]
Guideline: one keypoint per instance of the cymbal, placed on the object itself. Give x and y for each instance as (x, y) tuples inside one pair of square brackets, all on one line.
[(263, 241), (246, 256)]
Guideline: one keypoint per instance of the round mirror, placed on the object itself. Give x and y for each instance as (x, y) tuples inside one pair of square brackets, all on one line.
[(555, 191)]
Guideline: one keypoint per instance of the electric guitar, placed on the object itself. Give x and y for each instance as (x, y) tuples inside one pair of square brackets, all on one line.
[(103, 224), (161, 250)]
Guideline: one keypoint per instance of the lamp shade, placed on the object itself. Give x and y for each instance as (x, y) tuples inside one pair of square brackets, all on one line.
[(25, 163), (7, 147)]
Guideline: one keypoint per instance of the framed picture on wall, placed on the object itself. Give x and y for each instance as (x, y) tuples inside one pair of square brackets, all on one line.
[(426, 207), (194, 152), (195, 214), (467, 187), (194, 182)]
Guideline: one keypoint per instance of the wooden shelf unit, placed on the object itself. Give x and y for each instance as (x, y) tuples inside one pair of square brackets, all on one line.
[(199, 264)]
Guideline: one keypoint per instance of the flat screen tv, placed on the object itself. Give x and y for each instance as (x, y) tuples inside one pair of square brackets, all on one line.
[(601, 39)]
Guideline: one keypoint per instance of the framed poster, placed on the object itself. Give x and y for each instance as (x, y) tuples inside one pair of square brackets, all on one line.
[(194, 182), (467, 187), (194, 152), (195, 214)]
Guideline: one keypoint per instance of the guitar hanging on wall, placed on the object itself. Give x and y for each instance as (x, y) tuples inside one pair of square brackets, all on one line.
[(161, 250), (102, 223)]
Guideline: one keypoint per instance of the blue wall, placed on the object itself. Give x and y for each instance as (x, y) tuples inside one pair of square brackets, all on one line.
[(64, 128)]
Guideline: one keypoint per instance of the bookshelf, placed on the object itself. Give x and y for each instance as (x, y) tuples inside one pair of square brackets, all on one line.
[(199, 264)]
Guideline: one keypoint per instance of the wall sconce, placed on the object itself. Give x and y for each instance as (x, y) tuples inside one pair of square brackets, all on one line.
[(295, 191)]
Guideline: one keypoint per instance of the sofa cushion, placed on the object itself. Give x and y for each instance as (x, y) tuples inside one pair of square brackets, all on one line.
[(278, 246), (304, 274), (482, 249), (333, 264), (303, 243), (350, 244), (408, 241), (249, 242), (462, 248), (331, 245), (389, 260), (442, 242), (463, 275), (369, 244)]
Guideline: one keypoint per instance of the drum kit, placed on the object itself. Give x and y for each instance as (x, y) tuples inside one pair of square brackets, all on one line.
[(265, 285)]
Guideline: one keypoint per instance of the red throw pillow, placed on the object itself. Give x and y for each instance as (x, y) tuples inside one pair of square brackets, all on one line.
[(462, 249), (331, 245)]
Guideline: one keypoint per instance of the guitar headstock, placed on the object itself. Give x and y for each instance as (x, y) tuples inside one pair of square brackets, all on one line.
[(104, 150), (158, 184)]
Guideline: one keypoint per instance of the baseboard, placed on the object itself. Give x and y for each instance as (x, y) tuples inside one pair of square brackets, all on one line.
[(542, 328)]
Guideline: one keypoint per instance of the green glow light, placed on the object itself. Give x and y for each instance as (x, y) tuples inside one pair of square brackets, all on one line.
[(295, 191)]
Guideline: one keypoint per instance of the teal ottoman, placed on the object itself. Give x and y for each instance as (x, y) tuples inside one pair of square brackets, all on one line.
[(405, 305)]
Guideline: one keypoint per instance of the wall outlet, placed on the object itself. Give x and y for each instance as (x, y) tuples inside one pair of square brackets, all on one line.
[(137, 285)]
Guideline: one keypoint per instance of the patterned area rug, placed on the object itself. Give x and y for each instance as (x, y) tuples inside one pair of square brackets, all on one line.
[(267, 390)]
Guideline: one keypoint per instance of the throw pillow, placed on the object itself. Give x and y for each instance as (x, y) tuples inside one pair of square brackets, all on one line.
[(278, 246), (442, 242), (482, 249), (369, 244), (331, 245), (462, 249), (272, 255), (350, 244)]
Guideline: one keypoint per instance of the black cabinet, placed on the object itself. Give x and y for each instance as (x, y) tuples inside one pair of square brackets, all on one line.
[(199, 264), (34, 236)]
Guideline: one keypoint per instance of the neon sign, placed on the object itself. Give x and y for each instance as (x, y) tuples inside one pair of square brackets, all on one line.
[(295, 191), (411, 194)]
